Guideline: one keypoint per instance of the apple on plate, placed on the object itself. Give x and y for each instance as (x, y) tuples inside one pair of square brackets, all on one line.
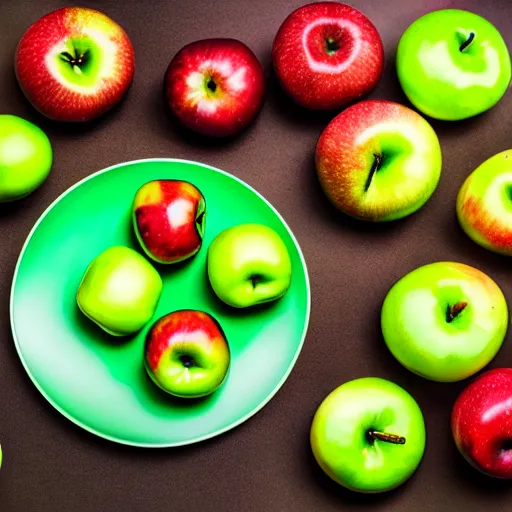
[(215, 86), (378, 161), (368, 435), (119, 291), (484, 204), (482, 423), (249, 264), (74, 64), (169, 219), (186, 354), (444, 321), (25, 157), (453, 64), (327, 54)]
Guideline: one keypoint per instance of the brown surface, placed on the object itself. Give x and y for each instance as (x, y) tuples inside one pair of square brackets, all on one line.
[(265, 464)]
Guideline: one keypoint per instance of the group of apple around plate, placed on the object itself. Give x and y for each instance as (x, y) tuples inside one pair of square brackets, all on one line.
[(376, 161)]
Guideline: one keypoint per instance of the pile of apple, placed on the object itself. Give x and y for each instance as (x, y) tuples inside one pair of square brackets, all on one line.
[(376, 161)]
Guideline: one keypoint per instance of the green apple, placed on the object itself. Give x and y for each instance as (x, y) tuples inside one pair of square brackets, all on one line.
[(484, 204), (368, 435), (249, 264), (25, 157), (119, 291), (453, 64), (444, 321)]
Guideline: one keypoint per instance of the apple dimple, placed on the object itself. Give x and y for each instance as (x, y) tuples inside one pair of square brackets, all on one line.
[(187, 360)]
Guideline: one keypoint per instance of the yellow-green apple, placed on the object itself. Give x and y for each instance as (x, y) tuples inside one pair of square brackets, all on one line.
[(169, 219), (444, 321), (327, 54), (215, 86), (453, 64), (368, 435), (378, 161), (25, 157), (482, 423), (187, 354), (249, 264), (74, 64), (119, 291), (484, 204)]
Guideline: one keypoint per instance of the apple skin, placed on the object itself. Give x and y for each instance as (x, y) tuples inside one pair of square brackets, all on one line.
[(25, 157), (378, 161), (444, 82), (344, 450), (249, 264), (169, 219), (119, 291), (186, 354), (215, 86), (327, 54), (415, 322), (482, 423), (484, 204), (74, 64)]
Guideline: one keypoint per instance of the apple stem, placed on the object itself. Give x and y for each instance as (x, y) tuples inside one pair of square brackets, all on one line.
[(468, 41), (453, 311), (377, 161), (388, 438)]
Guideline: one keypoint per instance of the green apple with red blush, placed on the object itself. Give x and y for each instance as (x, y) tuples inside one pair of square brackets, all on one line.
[(169, 218), (187, 354), (484, 204)]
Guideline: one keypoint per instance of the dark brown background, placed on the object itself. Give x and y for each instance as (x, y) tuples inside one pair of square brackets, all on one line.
[(265, 464)]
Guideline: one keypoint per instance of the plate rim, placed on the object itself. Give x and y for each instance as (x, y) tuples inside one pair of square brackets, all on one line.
[(196, 439)]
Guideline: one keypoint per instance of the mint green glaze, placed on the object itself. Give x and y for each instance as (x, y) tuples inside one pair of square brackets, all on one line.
[(416, 330), (103, 386), (340, 444), (445, 82), (25, 157)]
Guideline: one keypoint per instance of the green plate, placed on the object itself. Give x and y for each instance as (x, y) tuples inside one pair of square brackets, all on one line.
[(99, 382)]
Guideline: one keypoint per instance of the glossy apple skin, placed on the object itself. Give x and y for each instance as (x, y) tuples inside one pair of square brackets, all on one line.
[(444, 82), (119, 291), (169, 219), (482, 423), (416, 330), (53, 86), (410, 165), (187, 354), (238, 86), (249, 264), (340, 444), (484, 204), (311, 74), (25, 157)]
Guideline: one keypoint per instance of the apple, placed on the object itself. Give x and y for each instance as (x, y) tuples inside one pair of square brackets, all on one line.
[(482, 423), (327, 54), (169, 219), (74, 64), (484, 204), (25, 157), (453, 64), (187, 354), (119, 291), (444, 321), (368, 435), (215, 86), (249, 264), (378, 161)]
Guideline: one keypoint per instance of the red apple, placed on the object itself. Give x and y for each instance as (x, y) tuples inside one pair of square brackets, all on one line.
[(327, 54), (215, 86), (74, 64), (482, 423), (169, 219)]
